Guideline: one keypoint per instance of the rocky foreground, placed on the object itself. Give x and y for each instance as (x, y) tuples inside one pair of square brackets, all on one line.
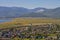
[(31, 32)]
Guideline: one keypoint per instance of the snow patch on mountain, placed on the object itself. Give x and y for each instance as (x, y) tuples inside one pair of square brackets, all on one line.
[(40, 11)]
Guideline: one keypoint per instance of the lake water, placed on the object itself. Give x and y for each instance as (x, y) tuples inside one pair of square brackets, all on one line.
[(4, 20)]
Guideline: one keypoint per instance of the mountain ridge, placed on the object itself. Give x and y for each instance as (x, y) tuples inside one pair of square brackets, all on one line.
[(25, 12)]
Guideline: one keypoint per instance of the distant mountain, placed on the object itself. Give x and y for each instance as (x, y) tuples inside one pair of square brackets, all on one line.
[(24, 12), (12, 11), (32, 14)]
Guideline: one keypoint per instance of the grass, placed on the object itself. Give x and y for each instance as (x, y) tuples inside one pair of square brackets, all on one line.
[(26, 39), (27, 21)]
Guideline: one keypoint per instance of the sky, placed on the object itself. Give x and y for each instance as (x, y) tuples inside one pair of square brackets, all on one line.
[(30, 3)]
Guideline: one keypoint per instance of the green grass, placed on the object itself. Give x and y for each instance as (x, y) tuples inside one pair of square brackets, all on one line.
[(26, 39), (52, 34)]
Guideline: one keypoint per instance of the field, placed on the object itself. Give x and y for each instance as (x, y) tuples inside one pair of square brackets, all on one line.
[(27, 21)]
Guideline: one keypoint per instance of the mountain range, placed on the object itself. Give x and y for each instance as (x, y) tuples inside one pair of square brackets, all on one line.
[(25, 12)]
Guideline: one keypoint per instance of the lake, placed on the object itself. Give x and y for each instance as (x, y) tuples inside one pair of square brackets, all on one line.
[(5, 20)]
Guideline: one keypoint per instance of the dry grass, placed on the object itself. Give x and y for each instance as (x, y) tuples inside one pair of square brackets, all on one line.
[(26, 21)]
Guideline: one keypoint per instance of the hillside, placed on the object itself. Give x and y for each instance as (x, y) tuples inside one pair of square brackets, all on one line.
[(27, 21), (25, 12)]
